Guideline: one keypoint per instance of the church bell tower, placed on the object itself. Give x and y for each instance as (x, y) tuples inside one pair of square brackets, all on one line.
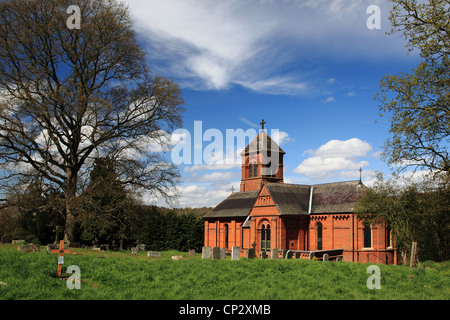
[(262, 161)]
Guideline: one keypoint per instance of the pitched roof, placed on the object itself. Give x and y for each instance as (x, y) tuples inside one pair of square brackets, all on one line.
[(262, 142), (290, 198), (238, 204), (295, 199), (336, 197)]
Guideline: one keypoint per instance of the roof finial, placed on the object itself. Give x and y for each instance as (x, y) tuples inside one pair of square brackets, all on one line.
[(232, 189), (360, 175), (262, 124)]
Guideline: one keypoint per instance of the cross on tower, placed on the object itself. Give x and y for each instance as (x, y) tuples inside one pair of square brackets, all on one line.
[(61, 251), (262, 124)]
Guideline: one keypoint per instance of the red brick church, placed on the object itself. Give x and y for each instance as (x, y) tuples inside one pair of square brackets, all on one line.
[(268, 213)]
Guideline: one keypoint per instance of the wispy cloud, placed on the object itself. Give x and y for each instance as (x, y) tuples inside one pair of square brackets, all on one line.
[(261, 45)]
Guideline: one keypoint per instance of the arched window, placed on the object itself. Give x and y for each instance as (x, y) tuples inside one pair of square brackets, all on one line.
[(319, 236), (226, 236), (255, 170), (367, 236), (265, 237)]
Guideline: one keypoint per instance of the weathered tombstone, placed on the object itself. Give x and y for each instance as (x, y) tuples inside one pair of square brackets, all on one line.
[(274, 254), (216, 253), (289, 254), (154, 254), (222, 253), (284, 253), (263, 255), (140, 247), (251, 253), (311, 255), (236, 253), (326, 257), (338, 259), (133, 249), (192, 252), (177, 257), (28, 248), (206, 252)]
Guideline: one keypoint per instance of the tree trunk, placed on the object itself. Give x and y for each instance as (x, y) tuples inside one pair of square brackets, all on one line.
[(69, 235)]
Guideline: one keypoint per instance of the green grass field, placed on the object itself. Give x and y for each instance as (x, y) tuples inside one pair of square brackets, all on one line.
[(124, 276)]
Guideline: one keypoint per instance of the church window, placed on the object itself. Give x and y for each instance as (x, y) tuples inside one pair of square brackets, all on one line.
[(367, 236), (226, 236), (255, 170), (265, 238), (319, 236)]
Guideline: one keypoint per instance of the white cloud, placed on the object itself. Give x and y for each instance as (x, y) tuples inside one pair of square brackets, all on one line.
[(335, 158), (217, 44)]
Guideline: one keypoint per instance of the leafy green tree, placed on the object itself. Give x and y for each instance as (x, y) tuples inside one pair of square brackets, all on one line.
[(419, 102)]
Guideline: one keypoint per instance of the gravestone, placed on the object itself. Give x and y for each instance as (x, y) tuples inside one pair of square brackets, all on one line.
[(140, 247), (192, 252), (222, 253), (263, 255), (251, 253), (338, 259), (28, 248), (154, 254), (236, 253), (206, 252), (289, 254), (311, 255), (274, 254), (326, 257), (177, 257), (216, 253), (15, 241)]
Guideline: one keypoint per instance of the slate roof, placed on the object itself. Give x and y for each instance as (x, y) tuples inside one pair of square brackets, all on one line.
[(238, 204), (294, 199), (262, 142)]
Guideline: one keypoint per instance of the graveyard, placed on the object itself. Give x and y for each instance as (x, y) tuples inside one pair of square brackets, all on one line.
[(175, 275)]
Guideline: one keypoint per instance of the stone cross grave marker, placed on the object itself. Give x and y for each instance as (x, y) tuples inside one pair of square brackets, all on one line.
[(61, 252)]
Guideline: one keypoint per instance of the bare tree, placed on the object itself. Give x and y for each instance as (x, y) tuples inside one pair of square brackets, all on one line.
[(70, 95)]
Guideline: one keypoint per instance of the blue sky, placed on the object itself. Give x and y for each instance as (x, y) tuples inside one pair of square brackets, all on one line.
[(309, 68)]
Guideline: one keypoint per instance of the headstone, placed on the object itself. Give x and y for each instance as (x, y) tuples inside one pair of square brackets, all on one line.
[(289, 254), (140, 247), (177, 257), (251, 253), (263, 255), (338, 259), (28, 248), (216, 253), (222, 253), (311, 255), (154, 254), (206, 252), (284, 253), (18, 241), (192, 252), (133, 249), (326, 257), (274, 254), (6, 239), (61, 252), (236, 253)]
